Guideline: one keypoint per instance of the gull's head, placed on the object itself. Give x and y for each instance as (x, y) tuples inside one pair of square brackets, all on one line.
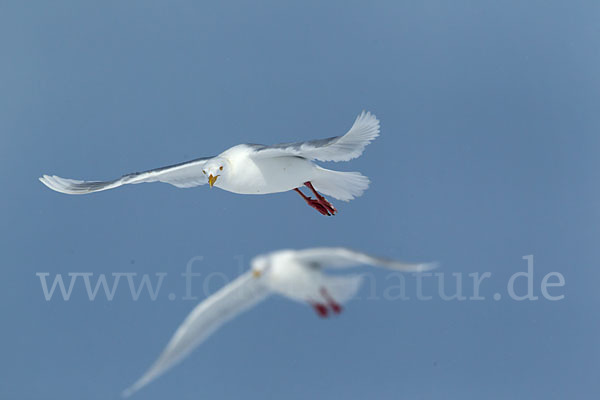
[(213, 169), (260, 265)]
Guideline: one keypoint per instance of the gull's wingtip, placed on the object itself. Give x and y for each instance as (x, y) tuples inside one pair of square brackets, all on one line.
[(127, 392), (368, 118), (52, 182), (427, 266), (414, 268), (74, 186), (132, 389), (46, 180), (140, 383)]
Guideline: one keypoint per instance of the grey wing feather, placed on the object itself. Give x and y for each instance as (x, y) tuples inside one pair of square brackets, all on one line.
[(183, 175), (337, 148)]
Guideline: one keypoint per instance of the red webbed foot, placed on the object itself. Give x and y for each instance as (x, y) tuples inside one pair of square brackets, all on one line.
[(331, 303), (316, 204), (322, 200), (320, 309)]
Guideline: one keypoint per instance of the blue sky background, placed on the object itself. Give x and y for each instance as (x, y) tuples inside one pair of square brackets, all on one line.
[(488, 152)]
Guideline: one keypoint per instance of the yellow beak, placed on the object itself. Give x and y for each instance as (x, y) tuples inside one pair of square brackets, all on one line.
[(256, 273), (212, 180)]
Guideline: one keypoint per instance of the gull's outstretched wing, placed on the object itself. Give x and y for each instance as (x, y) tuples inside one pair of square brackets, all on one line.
[(183, 175), (340, 257), (338, 148), (239, 295)]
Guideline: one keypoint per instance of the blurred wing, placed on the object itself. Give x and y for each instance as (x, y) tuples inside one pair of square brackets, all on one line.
[(206, 318), (338, 148), (183, 175), (340, 257)]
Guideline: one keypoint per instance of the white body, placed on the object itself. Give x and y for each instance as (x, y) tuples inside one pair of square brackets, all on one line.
[(255, 175), (291, 278)]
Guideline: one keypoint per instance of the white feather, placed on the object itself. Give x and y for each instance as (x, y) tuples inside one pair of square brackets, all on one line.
[(205, 319)]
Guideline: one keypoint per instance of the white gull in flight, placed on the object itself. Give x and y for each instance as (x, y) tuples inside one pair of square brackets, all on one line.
[(260, 169), (295, 274)]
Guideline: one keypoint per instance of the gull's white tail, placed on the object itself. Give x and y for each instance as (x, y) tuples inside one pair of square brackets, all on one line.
[(341, 185), (342, 288)]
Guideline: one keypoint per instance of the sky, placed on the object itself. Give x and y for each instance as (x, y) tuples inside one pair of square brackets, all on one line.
[(487, 154)]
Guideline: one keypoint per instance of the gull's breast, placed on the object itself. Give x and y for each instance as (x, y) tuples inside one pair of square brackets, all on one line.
[(269, 175), (294, 280)]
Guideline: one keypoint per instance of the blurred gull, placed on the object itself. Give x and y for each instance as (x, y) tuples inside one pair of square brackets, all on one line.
[(297, 275), (260, 169)]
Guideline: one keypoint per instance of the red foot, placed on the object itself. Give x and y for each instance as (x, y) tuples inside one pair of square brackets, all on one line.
[(316, 204), (322, 200), (320, 203), (334, 305), (320, 309)]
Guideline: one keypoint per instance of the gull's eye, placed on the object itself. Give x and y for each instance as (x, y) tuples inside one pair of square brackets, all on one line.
[(204, 172), (221, 168)]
